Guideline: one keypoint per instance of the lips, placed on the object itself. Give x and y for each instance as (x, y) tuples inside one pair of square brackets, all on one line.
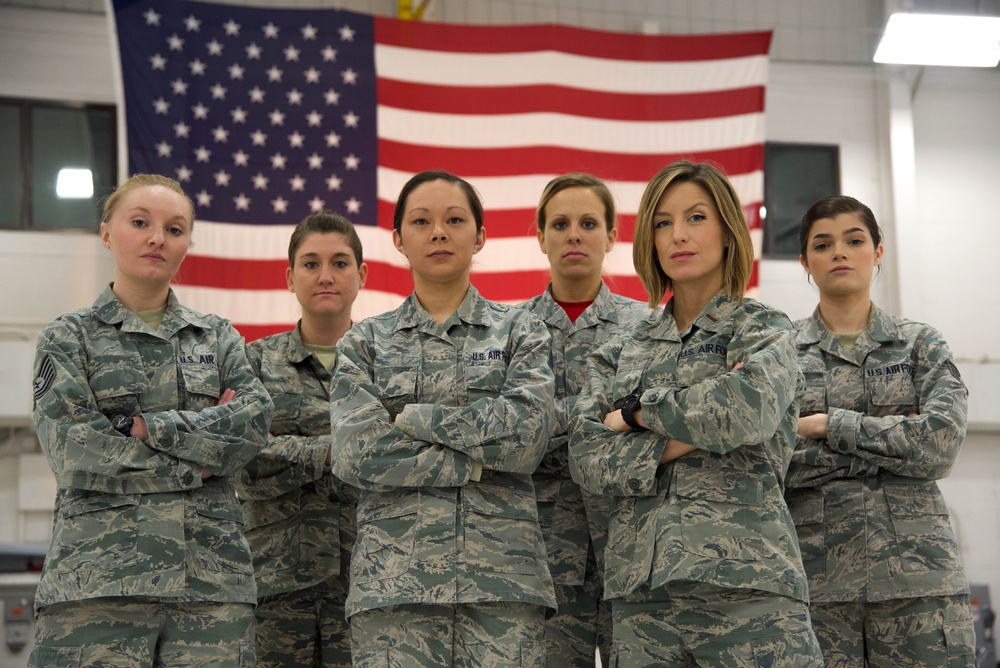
[(572, 255), (441, 254), (840, 270), (156, 257), (681, 255)]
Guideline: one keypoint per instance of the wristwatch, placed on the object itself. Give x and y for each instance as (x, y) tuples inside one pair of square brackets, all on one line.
[(629, 405), (122, 423)]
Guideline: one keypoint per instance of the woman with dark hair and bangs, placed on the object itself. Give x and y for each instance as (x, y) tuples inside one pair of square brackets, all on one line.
[(883, 417)]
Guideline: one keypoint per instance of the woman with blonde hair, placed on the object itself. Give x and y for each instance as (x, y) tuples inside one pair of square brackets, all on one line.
[(687, 422), (147, 412)]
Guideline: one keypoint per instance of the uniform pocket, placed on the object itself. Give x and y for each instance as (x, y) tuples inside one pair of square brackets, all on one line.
[(485, 380), (117, 389), (501, 527), (218, 536), (807, 514), (892, 395), (202, 385), (287, 408), (385, 543), (272, 530), (397, 386), (97, 533), (55, 657), (924, 535), (720, 512)]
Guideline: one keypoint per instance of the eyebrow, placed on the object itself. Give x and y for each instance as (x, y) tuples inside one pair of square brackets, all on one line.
[(337, 254), (687, 210), (848, 231), (424, 208)]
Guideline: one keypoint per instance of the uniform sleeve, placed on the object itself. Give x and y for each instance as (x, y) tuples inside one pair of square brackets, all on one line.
[(604, 461), (925, 446), (815, 463), (742, 406), (508, 432), (82, 448), (369, 451), (224, 438)]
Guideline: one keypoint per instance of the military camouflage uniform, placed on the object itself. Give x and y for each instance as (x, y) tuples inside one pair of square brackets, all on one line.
[(573, 547), (299, 517), (136, 519), (706, 538), (874, 530), (417, 408)]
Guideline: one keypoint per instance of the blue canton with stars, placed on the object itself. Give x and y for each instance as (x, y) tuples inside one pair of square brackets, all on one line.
[(263, 115)]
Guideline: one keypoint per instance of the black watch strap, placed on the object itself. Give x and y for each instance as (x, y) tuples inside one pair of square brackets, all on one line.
[(122, 423), (630, 405)]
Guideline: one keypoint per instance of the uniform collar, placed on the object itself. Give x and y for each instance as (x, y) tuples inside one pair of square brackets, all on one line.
[(601, 310), (881, 328), (471, 311), (715, 312), (111, 311), (295, 351)]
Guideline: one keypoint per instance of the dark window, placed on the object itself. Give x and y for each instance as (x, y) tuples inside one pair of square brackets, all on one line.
[(795, 176), (56, 163)]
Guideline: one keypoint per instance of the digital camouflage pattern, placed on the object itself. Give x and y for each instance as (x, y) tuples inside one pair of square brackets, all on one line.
[(299, 517), (134, 518), (923, 631), (871, 521), (417, 408), (126, 633), (469, 635), (697, 624), (574, 526), (306, 628), (715, 515)]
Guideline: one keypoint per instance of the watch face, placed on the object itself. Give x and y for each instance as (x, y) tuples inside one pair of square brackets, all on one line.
[(122, 423)]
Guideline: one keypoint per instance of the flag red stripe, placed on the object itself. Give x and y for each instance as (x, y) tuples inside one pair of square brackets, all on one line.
[(572, 101), (473, 162), (456, 38)]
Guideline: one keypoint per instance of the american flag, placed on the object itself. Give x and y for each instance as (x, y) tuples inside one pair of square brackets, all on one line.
[(267, 115)]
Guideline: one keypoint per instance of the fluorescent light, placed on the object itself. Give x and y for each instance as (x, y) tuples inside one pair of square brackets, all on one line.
[(75, 184), (940, 39)]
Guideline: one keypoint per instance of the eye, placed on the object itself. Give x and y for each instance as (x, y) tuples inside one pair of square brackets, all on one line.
[(697, 217), (418, 221), (589, 224), (138, 222), (176, 231), (340, 264), (662, 223), (856, 242), (311, 264), (456, 220), (558, 225), (822, 246)]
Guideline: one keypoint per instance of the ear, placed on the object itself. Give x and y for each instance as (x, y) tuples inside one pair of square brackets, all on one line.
[(612, 238), (362, 274), (480, 240), (290, 279), (878, 254), (541, 241), (106, 235), (397, 241), (805, 265)]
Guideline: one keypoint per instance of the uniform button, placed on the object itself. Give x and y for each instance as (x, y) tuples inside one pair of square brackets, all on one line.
[(188, 478), (634, 485)]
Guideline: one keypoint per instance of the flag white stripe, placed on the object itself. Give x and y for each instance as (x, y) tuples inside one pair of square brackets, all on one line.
[(562, 130), (570, 70)]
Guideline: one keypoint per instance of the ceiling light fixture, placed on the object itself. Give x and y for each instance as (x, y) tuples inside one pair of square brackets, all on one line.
[(940, 39)]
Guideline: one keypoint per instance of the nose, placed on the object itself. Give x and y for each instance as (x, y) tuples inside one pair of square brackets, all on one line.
[(680, 232), (574, 233), (438, 231), (839, 251), (156, 236), (325, 274)]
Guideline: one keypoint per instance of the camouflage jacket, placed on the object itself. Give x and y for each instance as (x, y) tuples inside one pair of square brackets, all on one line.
[(872, 523), (563, 510), (299, 517), (415, 406), (715, 515), (134, 518)]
